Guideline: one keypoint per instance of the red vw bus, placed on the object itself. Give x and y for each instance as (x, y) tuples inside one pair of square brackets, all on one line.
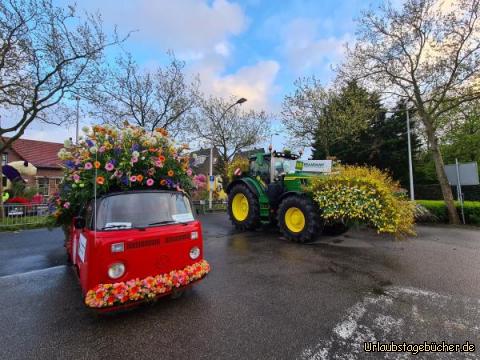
[(133, 246)]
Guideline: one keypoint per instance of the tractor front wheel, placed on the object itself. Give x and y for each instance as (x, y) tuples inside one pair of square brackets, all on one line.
[(299, 219), (243, 208)]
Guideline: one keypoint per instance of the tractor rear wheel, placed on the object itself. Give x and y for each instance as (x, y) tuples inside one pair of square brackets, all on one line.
[(299, 219), (243, 208)]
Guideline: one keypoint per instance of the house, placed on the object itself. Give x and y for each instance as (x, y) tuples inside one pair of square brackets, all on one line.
[(200, 161), (41, 154)]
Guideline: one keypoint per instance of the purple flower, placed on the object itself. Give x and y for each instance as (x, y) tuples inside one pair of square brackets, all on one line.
[(125, 180), (88, 166), (135, 147), (90, 143), (70, 164)]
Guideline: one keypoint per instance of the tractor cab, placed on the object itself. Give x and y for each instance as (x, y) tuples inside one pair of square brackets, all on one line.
[(273, 166)]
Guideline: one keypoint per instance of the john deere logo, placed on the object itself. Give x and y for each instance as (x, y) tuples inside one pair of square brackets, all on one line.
[(299, 165)]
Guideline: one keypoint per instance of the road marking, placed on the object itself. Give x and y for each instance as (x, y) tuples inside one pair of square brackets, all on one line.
[(32, 272), (401, 314)]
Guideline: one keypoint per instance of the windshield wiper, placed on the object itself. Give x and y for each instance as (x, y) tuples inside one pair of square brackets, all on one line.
[(165, 222)]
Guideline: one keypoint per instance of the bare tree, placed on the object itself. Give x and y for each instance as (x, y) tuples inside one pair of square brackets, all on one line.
[(322, 115), (151, 99), (230, 129), (427, 52), (46, 52)]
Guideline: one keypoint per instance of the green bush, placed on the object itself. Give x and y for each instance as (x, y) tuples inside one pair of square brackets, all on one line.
[(438, 208)]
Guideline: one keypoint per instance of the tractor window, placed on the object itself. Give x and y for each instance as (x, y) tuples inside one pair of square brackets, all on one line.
[(282, 167), (260, 166)]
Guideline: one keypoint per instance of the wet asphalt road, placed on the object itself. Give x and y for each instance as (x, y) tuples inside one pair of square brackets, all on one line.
[(265, 298)]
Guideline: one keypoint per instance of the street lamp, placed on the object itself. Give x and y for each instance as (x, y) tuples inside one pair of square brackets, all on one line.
[(78, 118), (409, 146), (211, 178)]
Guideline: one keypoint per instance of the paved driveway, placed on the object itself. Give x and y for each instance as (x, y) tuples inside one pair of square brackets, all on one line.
[(265, 298)]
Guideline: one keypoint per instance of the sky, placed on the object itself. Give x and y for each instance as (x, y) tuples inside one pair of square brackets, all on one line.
[(252, 48)]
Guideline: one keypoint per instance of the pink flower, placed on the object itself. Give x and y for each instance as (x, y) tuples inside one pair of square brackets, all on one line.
[(134, 159), (101, 149), (133, 178), (158, 163), (66, 205), (76, 177), (88, 166), (189, 172), (109, 166), (150, 182), (118, 173)]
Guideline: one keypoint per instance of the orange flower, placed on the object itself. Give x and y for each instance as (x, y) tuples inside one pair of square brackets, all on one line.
[(139, 178), (163, 182), (161, 158), (170, 173), (100, 180), (97, 164)]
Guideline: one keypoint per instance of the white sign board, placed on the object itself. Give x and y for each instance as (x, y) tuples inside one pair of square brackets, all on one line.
[(317, 166), (467, 172)]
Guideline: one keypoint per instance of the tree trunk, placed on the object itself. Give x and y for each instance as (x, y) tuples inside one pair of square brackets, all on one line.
[(442, 177)]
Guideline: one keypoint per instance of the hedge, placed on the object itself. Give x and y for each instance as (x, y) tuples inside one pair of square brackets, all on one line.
[(438, 208)]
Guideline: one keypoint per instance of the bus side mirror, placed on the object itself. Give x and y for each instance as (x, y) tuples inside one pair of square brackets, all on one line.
[(79, 222)]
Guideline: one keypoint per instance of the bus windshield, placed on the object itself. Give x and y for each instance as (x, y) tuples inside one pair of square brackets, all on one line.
[(143, 209)]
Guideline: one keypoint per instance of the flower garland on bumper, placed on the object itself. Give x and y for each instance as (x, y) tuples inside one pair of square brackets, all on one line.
[(104, 295), (118, 159)]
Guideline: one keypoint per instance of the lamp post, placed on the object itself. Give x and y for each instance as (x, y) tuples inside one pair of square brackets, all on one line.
[(211, 178), (77, 119), (410, 167)]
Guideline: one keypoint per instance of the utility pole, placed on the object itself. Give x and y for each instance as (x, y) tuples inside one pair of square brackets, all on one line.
[(410, 167), (211, 177), (78, 119)]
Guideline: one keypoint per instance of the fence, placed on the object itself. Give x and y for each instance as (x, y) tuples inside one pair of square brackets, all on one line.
[(202, 206), (20, 214)]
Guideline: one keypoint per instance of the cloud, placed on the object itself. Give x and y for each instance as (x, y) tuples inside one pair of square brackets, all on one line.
[(189, 26), (256, 83), (306, 50)]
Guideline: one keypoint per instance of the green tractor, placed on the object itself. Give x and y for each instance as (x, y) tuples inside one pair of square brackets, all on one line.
[(273, 193)]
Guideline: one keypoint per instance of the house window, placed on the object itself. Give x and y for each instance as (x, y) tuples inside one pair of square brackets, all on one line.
[(43, 186), (4, 158)]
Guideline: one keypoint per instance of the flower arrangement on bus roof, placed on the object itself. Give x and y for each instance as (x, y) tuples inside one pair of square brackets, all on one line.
[(110, 159)]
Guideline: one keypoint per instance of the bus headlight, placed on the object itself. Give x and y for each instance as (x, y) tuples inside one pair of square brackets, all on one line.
[(116, 270), (194, 252)]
